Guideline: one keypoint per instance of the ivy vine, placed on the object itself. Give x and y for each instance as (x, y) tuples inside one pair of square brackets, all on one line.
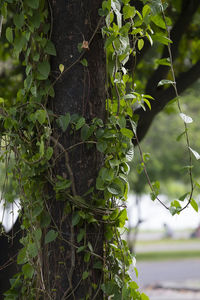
[(26, 137)]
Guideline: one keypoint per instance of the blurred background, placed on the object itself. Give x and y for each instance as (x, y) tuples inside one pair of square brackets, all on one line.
[(166, 247)]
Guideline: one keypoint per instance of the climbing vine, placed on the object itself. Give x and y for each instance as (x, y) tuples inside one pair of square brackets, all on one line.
[(26, 138)]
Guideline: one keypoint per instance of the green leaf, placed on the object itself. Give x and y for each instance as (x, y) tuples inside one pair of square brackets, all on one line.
[(129, 96), (38, 234), (80, 249), (114, 162), (18, 20), (158, 20), (116, 187), (197, 184), (165, 81), (37, 210), (33, 3), (32, 250), (161, 39), (149, 38), (194, 205), (186, 118), (35, 19), (45, 219), (100, 183), (28, 82), (36, 56), (176, 204), (107, 174), (182, 198), (90, 247), (21, 257), (28, 271), (3, 9), (140, 44), (44, 68), (109, 41), (127, 132), (147, 102), (75, 219), (28, 69), (122, 217), (63, 121), (41, 144), (49, 153), (81, 235), (87, 256), (101, 146), (136, 272), (156, 190), (41, 115), (128, 11), (50, 48), (19, 43), (85, 275), (180, 136), (9, 34), (146, 10), (175, 207), (84, 62), (61, 68), (80, 123), (163, 62), (116, 6), (108, 233), (195, 153), (114, 214), (130, 154), (134, 285), (62, 184), (144, 297), (50, 236), (85, 132)]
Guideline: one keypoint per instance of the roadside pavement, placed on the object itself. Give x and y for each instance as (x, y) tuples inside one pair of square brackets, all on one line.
[(172, 279), (159, 293)]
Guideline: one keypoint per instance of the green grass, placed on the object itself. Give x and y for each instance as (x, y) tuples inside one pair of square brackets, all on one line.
[(166, 255), (169, 241)]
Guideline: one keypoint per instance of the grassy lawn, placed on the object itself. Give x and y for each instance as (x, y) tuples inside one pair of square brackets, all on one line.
[(169, 241), (167, 255), (167, 249)]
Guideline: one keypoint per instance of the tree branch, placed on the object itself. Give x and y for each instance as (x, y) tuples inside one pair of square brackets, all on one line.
[(189, 7), (162, 97)]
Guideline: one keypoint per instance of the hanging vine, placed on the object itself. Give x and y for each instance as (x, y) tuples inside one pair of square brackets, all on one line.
[(26, 135)]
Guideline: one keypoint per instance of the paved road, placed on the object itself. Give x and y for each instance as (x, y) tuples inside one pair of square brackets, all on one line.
[(160, 294), (178, 280), (151, 273)]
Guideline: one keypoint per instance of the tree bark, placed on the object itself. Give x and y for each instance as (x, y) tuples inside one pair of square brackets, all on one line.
[(79, 90)]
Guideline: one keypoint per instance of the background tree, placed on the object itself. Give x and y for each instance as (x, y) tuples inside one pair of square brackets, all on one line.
[(168, 166), (184, 33)]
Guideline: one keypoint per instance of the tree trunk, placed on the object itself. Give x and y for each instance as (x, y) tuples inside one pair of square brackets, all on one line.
[(79, 90)]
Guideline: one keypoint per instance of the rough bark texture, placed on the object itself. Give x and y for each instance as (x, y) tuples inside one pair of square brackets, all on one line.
[(82, 91)]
